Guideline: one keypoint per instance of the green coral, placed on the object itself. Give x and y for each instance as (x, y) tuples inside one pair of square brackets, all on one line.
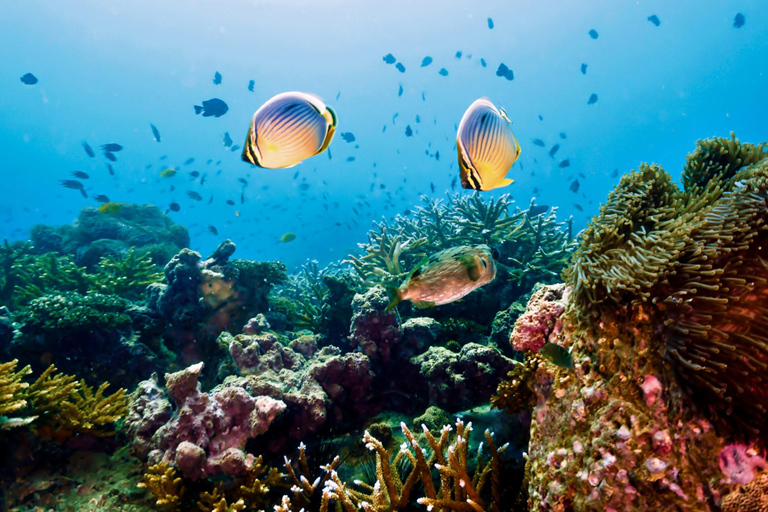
[(10, 255), (72, 311), (126, 276), (698, 257), (534, 248)]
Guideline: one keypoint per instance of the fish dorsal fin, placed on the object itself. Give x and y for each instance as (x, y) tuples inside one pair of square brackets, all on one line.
[(416, 272)]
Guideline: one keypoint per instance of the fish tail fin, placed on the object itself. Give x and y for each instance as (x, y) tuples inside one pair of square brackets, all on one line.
[(395, 296), (198, 109)]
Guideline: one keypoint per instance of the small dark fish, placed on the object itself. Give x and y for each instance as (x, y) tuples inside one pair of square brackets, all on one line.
[(565, 163), (194, 195), (562, 135), (408, 131), (432, 186), (242, 197), (101, 198), (541, 118), (593, 34), (453, 183), (227, 140), (350, 159), (347, 136), (230, 202), (592, 99), (389, 58), (110, 156), (88, 150), (538, 142), (739, 20), (426, 61), (400, 67), (505, 72), (234, 148), (482, 62), (458, 55), (615, 173), (29, 79), (189, 161), (437, 156), (295, 175), (251, 84), (210, 200), (583, 69), (535, 190), (216, 78), (112, 147), (75, 185), (578, 207), (155, 132), (554, 150), (443, 72), (395, 117), (194, 174), (537, 209), (574, 187), (304, 187), (490, 23), (557, 355), (213, 230), (111, 170), (243, 181), (174, 207), (654, 19), (80, 174), (202, 179), (212, 107), (338, 95), (400, 91)]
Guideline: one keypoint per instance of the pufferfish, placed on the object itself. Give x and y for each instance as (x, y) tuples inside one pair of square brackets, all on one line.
[(288, 129), (486, 145), (447, 276)]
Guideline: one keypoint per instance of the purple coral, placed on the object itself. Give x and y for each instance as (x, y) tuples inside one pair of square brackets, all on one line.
[(541, 319), (740, 463)]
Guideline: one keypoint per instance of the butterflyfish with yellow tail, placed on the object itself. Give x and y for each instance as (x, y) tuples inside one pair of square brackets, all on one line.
[(288, 129), (486, 145)]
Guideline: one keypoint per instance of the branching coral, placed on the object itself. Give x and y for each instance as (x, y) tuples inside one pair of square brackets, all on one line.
[(165, 485), (457, 488), (12, 398), (217, 502), (535, 249), (126, 276), (72, 311), (518, 393)]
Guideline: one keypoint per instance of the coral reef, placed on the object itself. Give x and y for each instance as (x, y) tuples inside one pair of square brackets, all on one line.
[(541, 319), (663, 276), (207, 434), (164, 484), (96, 234), (12, 397), (374, 329)]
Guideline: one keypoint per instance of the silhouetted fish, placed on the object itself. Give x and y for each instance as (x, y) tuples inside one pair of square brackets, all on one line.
[(155, 132), (110, 156), (227, 140), (75, 185), (426, 61), (400, 67), (408, 131), (654, 19), (443, 72), (111, 170), (88, 150), (189, 161), (174, 207), (574, 187), (213, 229), (538, 142), (194, 195), (212, 107), (458, 55), (562, 135), (101, 198), (554, 150), (592, 99), (505, 72), (29, 79), (216, 78), (593, 34), (565, 163), (490, 23), (615, 173), (80, 174), (578, 207), (251, 84), (583, 69), (537, 209), (739, 20), (112, 147), (482, 62), (389, 58), (347, 136), (400, 91)]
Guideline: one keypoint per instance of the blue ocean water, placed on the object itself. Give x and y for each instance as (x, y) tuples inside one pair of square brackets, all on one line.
[(107, 69)]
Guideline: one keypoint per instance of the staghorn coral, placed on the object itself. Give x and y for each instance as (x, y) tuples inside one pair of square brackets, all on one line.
[(217, 502), (698, 256), (165, 485), (305, 487), (89, 410), (255, 485), (71, 311), (12, 397), (518, 392), (126, 275), (534, 249), (457, 486)]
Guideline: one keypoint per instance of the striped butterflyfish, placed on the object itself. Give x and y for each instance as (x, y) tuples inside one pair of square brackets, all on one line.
[(288, 129), (487, 148)]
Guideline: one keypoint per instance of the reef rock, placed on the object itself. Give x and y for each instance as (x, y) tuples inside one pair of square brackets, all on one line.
[(374, 329)]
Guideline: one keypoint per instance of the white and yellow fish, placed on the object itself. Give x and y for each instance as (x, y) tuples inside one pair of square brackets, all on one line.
[(486, 145), (288, 129), (447, 276)]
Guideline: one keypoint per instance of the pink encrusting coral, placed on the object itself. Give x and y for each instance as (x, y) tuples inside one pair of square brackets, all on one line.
[(541, 319), (740, 463), (207, 434)]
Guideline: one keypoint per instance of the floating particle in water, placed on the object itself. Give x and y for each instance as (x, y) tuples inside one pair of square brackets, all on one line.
[(400, 67), (426, 61), (29, 79), (389, 58), (654, 19), (505, 72), (583, 69), (490, 23), (443, 72), (739, 20), (592, 99), (593, 34)]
